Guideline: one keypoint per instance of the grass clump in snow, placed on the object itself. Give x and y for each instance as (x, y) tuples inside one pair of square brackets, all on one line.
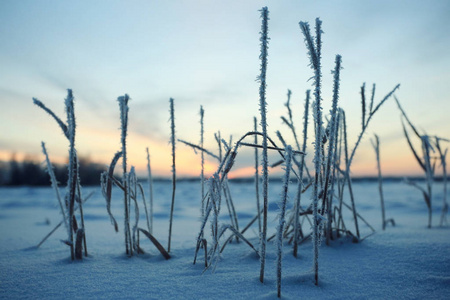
[(132, 191), (427, 164), (73, 192), (376, 147)]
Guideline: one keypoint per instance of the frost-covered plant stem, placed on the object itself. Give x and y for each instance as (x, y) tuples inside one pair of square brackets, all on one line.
[(202, 174), (347, 175), (258, 206), (335, 177), (426, 147), (281, 216), (290, 122), (376, 147), (349, 160), (224, 183), (81, 207), (174, 173), (371, 114), (341, 182), (215, 201), (300, 180), (132, 192), (314, 53), (318, 164), (425, 162), (72, 182), (442, 156), (150, 186), (329, 167), (264, 39), (54, 183), (123, 105), (230, 205)]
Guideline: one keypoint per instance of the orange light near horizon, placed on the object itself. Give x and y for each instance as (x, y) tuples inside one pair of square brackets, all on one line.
[(99, 146), (242, 172)]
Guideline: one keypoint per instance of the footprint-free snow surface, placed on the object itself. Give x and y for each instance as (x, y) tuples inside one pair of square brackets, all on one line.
[(408, 261)]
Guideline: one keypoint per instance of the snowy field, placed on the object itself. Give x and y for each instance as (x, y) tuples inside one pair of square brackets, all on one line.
[(407, 261)]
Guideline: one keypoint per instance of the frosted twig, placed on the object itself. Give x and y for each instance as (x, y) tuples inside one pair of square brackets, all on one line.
[(196, 147), (270, 148)]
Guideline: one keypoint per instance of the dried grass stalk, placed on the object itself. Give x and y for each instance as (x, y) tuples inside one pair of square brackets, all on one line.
[(174, 173)]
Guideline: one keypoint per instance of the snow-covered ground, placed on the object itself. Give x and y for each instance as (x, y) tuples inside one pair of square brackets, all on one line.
[(407, 261)]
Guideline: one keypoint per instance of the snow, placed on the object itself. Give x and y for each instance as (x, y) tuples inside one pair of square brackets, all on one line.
[(408, 261)]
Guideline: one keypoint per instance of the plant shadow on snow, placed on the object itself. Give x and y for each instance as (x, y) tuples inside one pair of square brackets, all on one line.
[(306, 280)]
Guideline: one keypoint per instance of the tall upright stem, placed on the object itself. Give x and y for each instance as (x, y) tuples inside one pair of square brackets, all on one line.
[(300, 180), (262, 107), (429, 174), (281, 217), (174, 173), (72, 172), (258, 205), (150, 186), (442, 156), (376, 146), (329, 167), (123, 104), (54, 183), (314, 52), (202, 174)]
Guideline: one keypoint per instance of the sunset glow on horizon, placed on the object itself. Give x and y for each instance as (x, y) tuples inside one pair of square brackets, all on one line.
[(204, 53)]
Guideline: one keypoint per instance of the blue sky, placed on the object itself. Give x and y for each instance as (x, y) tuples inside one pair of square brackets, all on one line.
[(206, 53)]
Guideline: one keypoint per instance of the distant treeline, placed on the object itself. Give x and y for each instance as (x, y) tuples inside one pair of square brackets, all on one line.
[(32, 173)]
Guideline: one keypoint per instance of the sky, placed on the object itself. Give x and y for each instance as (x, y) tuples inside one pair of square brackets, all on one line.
[(207, 53)]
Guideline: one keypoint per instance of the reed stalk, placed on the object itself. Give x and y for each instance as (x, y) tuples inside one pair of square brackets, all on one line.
[(281, 216), (71, 182), (442, 157), (264, 39), (376, 147), (314, 53), (54, 183), (123, 105), (202, 174), (258, 204), (329, 166), (174, 173), (297, 225), (150, 186)]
